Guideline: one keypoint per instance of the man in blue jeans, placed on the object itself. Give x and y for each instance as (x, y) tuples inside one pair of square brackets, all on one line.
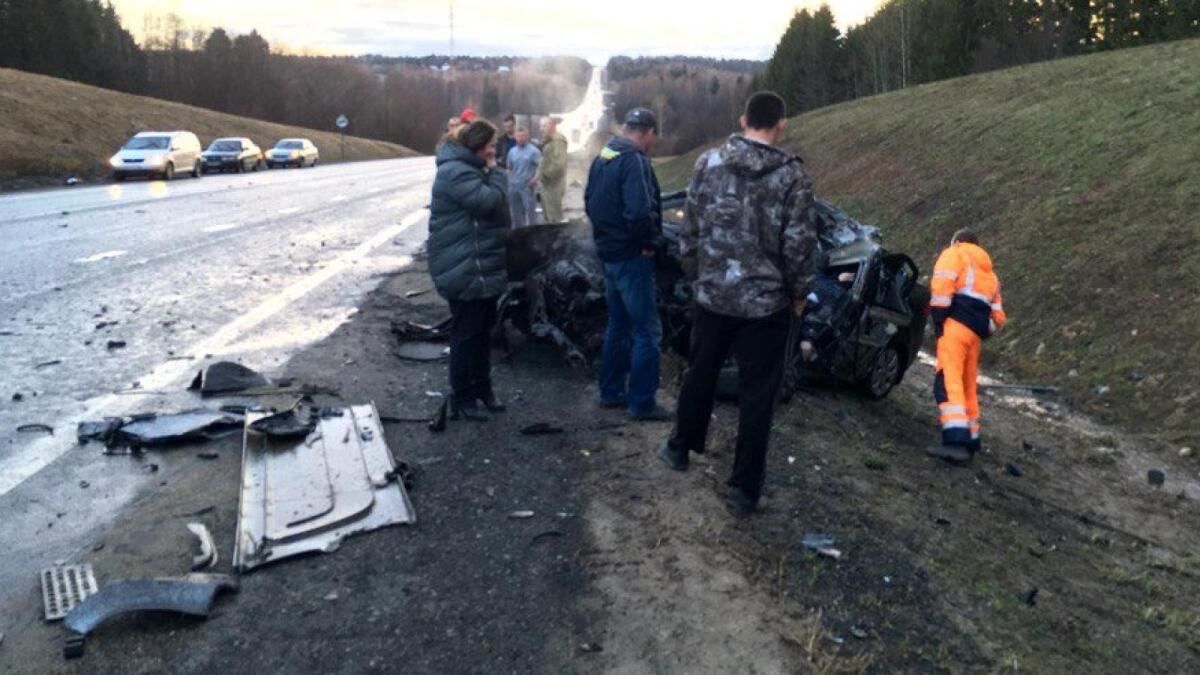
[(624, 203)]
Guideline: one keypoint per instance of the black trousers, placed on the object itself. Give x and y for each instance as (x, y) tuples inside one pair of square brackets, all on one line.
[(470, 348), (758, 345)]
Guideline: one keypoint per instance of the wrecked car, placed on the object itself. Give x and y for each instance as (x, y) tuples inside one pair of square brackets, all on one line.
[(863, 327)]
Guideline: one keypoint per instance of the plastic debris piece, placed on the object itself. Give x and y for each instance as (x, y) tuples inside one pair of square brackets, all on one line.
[(64, 587), (35, 428), (192, 594), (422, 352), (817, 542), (1029, 597), (521, 515), (208, 556), (541, 429), (225, 377), (1156, 477), (1012, 469), (115, 344), (858, 633), (590, 647), (295, 422)]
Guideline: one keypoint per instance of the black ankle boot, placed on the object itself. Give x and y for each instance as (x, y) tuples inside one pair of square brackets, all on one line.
[(467, 410), (492, 403)]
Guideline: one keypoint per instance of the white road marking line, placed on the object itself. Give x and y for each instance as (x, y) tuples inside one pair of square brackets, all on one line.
[(220, 228), (101, 256), (25, 463)]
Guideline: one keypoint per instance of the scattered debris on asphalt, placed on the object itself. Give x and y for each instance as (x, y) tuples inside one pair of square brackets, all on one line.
[(192, 594), (208, 555), (1012, 469), (545, 536), (521, 515), (340, 480), (1156, 477), (1034, 449), (541, 429), (859, 633), (1185, 452), (416, 293), (106, 324), (115, 344), (409, 331), (64, 587), (822, 544), (1029, 597), (590, 647), (422, 352), (18, 397), (1031, 388), (47, 364), (35, 428), (227, 377), (208, 455)]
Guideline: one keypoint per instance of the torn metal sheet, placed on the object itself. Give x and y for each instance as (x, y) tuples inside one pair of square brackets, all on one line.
[(64, 587), (306, 496), (295, 422), (152, 430), (208, 556), (227, 377), (192, 595)]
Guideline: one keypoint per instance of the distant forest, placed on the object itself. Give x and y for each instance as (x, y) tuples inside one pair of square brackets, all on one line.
[(909, 42), (696, 99), (402, 100)]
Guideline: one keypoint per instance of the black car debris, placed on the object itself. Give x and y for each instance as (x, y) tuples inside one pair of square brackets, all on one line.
[(864, 325)]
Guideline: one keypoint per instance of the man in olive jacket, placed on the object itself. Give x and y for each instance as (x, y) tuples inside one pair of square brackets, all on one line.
[(554, 170), (468, 228)]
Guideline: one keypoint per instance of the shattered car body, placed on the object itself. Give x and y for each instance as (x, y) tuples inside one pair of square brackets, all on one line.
[(864, 324)]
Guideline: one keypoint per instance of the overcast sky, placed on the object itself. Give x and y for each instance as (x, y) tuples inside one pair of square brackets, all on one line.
[(595, 29)]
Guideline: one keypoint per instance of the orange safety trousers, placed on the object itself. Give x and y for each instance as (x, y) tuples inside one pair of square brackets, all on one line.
[(954, 386)]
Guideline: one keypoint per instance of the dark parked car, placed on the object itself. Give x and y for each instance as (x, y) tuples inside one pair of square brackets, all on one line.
[(864, 325), (232, 154)]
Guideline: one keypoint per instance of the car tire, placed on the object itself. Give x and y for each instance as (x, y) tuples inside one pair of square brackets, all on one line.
[(885, 373), (168, 173), (120, 178), (197, 169), (241, 167)]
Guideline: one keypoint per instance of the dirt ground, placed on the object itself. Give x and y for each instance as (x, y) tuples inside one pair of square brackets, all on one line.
[(1076, 565)]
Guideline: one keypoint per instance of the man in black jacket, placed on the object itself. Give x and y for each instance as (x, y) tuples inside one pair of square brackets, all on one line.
[(624, 203)]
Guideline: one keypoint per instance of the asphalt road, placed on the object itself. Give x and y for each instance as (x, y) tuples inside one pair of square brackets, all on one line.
[(249, 267)]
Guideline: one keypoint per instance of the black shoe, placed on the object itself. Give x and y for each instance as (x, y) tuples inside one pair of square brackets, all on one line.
[(657, 414), (739, 502), (676, 460), (957, 454), (492, 403), (974, 447), (614, 404), (467, 410)]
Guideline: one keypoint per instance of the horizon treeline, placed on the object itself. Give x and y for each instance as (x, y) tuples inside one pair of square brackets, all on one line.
[(911, 42), (399, 100)]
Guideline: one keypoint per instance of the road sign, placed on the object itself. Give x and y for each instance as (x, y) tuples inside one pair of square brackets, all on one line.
[(343, 121)]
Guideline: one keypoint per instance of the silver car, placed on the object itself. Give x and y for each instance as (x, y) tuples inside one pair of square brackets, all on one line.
[(233, 154), (293, 152), (158, 154)]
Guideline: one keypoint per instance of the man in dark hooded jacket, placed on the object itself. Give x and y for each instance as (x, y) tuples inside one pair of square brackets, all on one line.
[(748, 246), (624, 203)]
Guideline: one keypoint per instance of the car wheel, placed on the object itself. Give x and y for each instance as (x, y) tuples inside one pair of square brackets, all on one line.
[(197, 169), (169, 172), (885, 373)]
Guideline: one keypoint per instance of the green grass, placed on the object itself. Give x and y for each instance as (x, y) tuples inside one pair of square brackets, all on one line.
[(1083, 178)]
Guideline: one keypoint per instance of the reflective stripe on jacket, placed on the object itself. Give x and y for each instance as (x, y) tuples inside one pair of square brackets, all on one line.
[(965, 288)]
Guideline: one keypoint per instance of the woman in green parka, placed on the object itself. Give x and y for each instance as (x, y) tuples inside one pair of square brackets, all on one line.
[(468, 227)]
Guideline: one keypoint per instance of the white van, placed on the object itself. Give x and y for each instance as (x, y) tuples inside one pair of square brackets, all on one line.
[(158, 153)]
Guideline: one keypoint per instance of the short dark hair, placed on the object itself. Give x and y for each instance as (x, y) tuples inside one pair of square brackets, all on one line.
[(510, 118), (764, 109), (966, 236), (474, 136)]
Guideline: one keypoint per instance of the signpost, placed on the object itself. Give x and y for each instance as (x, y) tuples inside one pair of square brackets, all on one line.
[(343, 122)]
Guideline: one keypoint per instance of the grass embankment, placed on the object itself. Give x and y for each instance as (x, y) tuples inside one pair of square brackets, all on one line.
[(1083, 177), (50, 128)]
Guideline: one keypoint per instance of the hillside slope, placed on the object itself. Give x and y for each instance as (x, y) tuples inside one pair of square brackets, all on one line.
[(50, 128), (1083, 177)]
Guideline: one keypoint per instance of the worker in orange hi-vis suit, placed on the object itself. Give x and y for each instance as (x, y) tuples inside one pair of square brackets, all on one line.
[(967, 309)]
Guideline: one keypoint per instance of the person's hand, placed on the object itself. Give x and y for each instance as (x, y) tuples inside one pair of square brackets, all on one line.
[(798, 307)]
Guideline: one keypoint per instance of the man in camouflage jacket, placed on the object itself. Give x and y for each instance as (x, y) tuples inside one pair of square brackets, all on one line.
[(749, 247)]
